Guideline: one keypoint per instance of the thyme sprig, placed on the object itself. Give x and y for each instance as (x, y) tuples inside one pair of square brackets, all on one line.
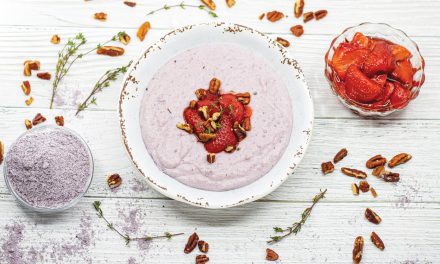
[(296, 227), (126, 237), (182, 5), (102, 83), (68, 55)]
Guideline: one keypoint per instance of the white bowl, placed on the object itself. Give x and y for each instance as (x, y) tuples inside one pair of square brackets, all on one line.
[(179, 40)]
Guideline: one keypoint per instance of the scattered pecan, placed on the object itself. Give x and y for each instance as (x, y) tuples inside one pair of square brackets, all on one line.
[(240, 133), (201, 259), (114, 181), (100, 16), (29, 101), (55, 39), (27, 70), (364, 186), (377, 241), (193, 104), (130, 4), (205, 112), (185, 127), (26, 87), (260, 17), (38, 119), (143, 30), (274, 16), (214, 86), (111, 51), (373, 192), (340, 155), (354, 173), (378, 171), (2, 151), (244, 98), (59, 120), (209, 3), (399, 159), (201, 93), (372, 216), (358, 249), (203, 246), (28, 123), (391, 176), (205, 137), (320, 14), (192, 243), (230, 3), (298, 8), (285, 43), (44, 75), (376, 161), (210, 157), (271, 255), (297, 30), (308, 16), (30, 66), (327, 167), (247, 124), (230, 149), (124, 38), (355, 189), (215, 116)]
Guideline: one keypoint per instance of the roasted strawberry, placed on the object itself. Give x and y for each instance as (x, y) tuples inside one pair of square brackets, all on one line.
[(247, 111), (385, 96), (359, 87), (193, 118), (379, 61), (399, 52), (361, 40), (346, 55), (225, 136), (231, 106), (400, 97), (404, 72), (380, 79)]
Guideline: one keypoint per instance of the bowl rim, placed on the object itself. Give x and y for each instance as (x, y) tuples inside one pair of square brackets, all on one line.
[(74, 201), (288, 59)]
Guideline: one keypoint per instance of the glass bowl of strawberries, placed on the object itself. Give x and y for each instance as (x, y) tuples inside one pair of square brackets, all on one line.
[(374, 69)]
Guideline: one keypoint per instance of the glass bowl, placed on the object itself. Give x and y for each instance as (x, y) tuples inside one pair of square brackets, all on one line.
[(383, 31), (74, 201)]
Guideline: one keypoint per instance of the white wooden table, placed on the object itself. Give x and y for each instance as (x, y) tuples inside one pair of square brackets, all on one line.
[(410, 209)]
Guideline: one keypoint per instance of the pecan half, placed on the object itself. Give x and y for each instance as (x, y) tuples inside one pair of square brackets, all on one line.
[(27, 70), (193, 104), (240, 133), (378, 171), (391, 176), (214, 86), (203, 246), (373, 192), (399, 159), (247, 124), (230, 149), (111, 51), (26, 87), (55, 39), (114, 181), (201, 259), (274, 16), (44, 75), (364, 186), (2, 151), (28, 123), (340, 155), (38, 119), (124, 38), (205, 137), (216, 116), (271, 255), (29, 101), (354, 173), (297, 30), (29, 66), (201, 93), (192, 243), (298, 8), (230, 3), (308, 16), (260, 17), (210, 4), (59, 120), (210, 157), (244, 98), (100, 16), (185, 127), (355, 189), (327, 167), (285, 43), (376, 161), (372, 216), (130, 4), (320, 14), (143, 30), (358, 249), (205, 112), (377, 241)]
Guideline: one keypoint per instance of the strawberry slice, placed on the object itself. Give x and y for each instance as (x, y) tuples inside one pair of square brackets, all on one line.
[(346, 55), (359, 87), (380, 79), (379, 61), (224, 136), (399, 52), (231, 106), (404, 72), (361, 40), (400, 96), (193, 118)]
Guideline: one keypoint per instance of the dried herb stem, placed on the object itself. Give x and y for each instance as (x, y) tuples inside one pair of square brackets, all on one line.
[(296, 227), (182, 5), (126, 237)]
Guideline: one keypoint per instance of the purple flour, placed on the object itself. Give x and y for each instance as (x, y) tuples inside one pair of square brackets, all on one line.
[(48, 167)]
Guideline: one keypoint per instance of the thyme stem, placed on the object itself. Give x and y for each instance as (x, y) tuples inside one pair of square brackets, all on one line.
[(182, 5), (296, 227)]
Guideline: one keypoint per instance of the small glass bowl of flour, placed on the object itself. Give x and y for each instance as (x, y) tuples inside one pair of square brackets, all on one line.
[(48, 168)]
